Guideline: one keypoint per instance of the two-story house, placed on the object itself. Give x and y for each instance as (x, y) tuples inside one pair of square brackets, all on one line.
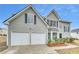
[(28, 27)]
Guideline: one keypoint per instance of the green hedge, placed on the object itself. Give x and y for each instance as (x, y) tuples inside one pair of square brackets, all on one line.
[(62, 40)]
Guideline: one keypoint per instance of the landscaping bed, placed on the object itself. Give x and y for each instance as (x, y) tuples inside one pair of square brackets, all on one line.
[(56, 44), (59, 42)]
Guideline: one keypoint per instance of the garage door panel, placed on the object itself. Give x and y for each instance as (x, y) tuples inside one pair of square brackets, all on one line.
[(26, 39), (38, 38), (19, 38)]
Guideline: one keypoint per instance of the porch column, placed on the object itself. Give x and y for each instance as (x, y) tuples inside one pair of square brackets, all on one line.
[(51, 35), (58, 35)]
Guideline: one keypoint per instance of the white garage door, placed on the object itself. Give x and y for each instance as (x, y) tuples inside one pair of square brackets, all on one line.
[(26, 39), (38, 38), (19, 39)]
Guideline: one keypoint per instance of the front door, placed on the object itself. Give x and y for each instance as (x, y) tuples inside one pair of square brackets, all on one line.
[(60, 35)]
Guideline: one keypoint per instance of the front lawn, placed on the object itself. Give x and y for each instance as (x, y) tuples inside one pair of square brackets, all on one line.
[(75, 42), (69, 51), (3, 45)]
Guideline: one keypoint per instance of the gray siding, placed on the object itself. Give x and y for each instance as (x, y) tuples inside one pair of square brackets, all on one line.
[(19, 25), (51, 16), (61, 29)]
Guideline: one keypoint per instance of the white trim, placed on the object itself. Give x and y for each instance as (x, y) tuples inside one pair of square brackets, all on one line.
[(51, 35), (52, 11), (7, 36), (7, 22)]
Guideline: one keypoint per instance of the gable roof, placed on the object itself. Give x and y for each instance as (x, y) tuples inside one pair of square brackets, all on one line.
[(15, 15), (55, 13)]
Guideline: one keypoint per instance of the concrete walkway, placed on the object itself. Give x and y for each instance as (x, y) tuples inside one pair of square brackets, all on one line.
[(35, 49)]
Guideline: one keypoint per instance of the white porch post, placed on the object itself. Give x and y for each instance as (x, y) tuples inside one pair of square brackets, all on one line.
[(51, 35), (58, 35)]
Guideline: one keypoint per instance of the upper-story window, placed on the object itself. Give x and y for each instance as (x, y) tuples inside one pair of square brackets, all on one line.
[(30, 18), (55, 23), (52, 23), (66, 28)]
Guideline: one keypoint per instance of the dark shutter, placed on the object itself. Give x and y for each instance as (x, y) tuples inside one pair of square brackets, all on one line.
[(57, 23), (51, 22), (64, 29), (34, 19), (25, 18)]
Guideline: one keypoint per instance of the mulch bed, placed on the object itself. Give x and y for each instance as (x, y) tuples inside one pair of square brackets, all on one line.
[(56, 44)]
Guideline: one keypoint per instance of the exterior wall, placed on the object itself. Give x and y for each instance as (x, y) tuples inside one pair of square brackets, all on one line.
[(61, 30), (75, 35), (19, 26), (51, 16)]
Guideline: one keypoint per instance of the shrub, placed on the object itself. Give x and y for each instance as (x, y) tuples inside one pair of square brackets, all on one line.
[(69, 40), (51, 41), (59, 40)]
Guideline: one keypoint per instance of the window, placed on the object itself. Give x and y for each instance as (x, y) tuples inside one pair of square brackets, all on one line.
[(49, 35), (52, 23), (55, 24), (29, 18), (66, 28), (54, 35), (49, 22)]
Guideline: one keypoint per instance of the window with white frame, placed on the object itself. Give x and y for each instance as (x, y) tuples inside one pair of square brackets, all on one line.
[(49, 35), (54, 35), (66, 28), (30, 18), (52, 23)]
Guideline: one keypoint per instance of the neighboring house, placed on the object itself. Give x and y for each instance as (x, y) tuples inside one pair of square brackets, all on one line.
[(75, 33), (28, 27), (3, 32)]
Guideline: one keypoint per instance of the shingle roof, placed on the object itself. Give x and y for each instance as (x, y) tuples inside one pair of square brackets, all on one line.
[(64, 21), (9, 17), (75, 30)]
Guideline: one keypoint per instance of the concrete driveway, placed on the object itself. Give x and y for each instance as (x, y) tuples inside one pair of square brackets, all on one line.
[(32, 49)]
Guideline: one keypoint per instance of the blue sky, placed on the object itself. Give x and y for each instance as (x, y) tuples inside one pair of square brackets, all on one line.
[(68, 12)]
